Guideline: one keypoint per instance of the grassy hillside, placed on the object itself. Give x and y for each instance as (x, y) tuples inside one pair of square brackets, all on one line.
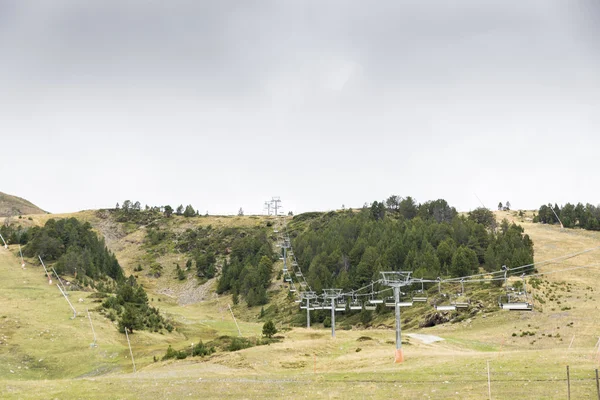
[(527, 352), (14, 206)]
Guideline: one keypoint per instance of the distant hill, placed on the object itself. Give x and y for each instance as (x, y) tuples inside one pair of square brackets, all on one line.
[(13, 206)]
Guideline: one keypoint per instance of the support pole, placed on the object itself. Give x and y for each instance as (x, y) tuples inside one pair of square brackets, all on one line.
[(67, 299), (597, 384), (489, 381), (399, 354), (308, 313), (3, 241), (92, 325), (59, 280), (568, 384), (332, 317), (130, 351), (22, 260), (234, 320), (47, 273)]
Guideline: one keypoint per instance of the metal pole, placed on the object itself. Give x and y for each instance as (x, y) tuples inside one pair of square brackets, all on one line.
[(332, 317), (59, 280), (67, 299), (47, 273), (22, 260), (92, 325), (568, 384), (130, 351), (234, 320), (489, 384), (307, 312), (5, 245), (399, 355)]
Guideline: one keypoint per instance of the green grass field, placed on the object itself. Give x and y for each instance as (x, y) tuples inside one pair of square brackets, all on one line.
[(44, 354)]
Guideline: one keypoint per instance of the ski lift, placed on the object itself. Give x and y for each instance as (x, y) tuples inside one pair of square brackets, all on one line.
[(292, 289), (405, 302), (370, 307), (519, 301), (373, 300), (420, 296), (299, 274), (461, 302), (390, 301), (288, 278), (443, 307), (355, 304), (317, 306), (340, 305)]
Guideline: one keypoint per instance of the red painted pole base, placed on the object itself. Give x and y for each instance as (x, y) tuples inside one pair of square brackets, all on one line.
[(399, 356)]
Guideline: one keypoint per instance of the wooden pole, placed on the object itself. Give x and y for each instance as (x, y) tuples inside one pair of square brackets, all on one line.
[(489, 382), (597, 384), (568, 384)]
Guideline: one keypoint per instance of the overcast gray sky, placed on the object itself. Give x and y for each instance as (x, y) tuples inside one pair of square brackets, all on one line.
[(223, 104)]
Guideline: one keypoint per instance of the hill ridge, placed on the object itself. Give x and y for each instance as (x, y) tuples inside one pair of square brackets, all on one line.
[(11, 206)]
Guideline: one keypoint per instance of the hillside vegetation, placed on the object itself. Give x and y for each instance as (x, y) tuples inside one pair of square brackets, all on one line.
[(302, 363), (13, 206)]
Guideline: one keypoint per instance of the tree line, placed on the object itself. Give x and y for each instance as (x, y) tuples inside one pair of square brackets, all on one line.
[(349, 249), (572, 216)]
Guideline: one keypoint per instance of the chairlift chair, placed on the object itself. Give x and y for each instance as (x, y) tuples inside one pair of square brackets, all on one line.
[(514, 304), (355, 305), (340, 305), (519, 301), (420, 296), (404, 302), (445, 307), (390, 301), (461, 302), (370, 307), (299, 274)]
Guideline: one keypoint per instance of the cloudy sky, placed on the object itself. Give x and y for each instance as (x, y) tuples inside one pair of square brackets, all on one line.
[(224, 104)]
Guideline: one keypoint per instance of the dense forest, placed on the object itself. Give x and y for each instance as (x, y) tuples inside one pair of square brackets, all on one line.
[(349, 249), (76, 249), (572, 216), (248, 270)]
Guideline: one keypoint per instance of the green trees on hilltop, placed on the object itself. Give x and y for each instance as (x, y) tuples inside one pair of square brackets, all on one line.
[(572, 216), (349, 249), (74, 247)]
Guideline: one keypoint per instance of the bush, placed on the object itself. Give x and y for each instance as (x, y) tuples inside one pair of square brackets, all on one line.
[(202, 350), (172, 353)]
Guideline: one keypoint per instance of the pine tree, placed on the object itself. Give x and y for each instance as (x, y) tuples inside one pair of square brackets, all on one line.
[(269, 329)]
